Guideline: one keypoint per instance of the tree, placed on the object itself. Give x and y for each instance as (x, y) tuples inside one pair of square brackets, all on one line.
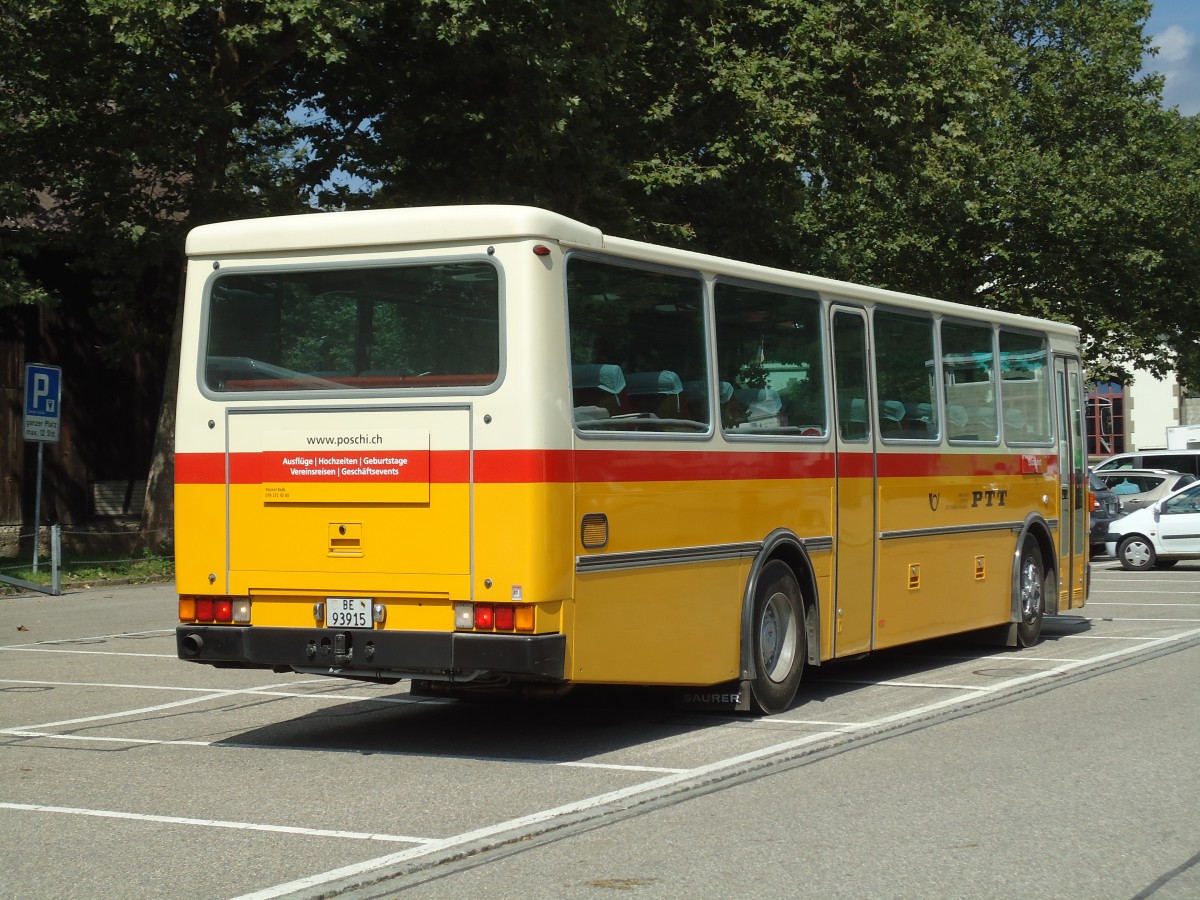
[(1171, 260), (1088, 226), (136, 120), (997, 152), (542, 102)]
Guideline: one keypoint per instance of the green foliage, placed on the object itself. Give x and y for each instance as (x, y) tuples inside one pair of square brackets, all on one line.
[(125, 122), (999, 152), (144, 569)]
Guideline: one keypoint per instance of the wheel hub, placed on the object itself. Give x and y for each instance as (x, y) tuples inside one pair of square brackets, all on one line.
[(777, 637), (1031, 591)]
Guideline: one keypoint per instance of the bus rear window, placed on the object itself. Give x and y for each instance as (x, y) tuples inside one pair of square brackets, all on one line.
[(414, 327)]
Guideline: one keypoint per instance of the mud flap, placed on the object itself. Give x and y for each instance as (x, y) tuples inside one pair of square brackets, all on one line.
[(732, 696)]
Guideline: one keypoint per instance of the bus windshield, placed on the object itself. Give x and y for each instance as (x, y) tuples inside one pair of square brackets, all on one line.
[(414, 326)]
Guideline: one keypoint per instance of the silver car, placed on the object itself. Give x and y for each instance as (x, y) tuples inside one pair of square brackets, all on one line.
[(1138, 488)]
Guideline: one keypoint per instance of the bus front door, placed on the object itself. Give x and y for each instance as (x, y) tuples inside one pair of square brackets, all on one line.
[(1073, 538), (854, 529)]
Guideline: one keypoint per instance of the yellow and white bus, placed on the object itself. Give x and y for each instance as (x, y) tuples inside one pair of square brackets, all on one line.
[(490, 447)]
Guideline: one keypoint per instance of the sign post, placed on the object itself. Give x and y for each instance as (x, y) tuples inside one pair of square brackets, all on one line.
[(43, 413)]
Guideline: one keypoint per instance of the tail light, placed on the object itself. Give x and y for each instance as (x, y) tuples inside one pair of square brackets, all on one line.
[(504, 617), (520, 617), (220, 610)]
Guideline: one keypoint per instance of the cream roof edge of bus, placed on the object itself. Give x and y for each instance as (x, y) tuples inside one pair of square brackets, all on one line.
[(408, 225), (387, 227), (828, 287)]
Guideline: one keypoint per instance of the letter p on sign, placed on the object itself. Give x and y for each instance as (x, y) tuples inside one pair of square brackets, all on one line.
[(41, 393)]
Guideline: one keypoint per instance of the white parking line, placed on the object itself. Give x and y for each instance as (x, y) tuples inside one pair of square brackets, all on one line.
[(216, 823), (613, 767), (112, 637), (1117, 584), (98, 739), (233, 745), (33, 648), (839, 727), (1006, 658), (122, 714), (94, 639), (1110, 637), (257, 692), (1179, 605), (906, 684)]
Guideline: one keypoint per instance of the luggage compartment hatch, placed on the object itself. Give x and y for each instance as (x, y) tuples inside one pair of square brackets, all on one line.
[(378, 490)]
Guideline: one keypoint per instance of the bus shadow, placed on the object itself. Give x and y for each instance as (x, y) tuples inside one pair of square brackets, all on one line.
[(925, 659), (593, 720), (587, 722), (1065, 626)]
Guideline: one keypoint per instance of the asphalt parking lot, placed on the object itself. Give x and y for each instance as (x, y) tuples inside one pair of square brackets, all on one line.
[(129, 773)]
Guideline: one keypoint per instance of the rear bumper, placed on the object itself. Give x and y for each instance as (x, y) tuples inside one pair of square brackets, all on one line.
[(384, 655)]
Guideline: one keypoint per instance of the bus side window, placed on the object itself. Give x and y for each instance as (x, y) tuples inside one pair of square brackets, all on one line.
[(644, 329), (771, 357), (904, 370), (969, 380), (1025, 387)]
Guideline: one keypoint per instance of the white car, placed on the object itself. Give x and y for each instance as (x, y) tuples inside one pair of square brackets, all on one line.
[(1159, 535)]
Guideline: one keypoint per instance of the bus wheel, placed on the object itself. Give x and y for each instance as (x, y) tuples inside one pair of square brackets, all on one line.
[(778, 639), (1031, 599)]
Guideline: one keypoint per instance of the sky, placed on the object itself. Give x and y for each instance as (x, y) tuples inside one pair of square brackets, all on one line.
[(1174, 28)]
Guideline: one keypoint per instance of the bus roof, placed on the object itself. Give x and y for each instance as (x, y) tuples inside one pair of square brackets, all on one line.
[(382, 228), (387, 227)]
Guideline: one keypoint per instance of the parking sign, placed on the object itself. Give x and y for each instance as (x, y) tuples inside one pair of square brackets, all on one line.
[(43, 402)]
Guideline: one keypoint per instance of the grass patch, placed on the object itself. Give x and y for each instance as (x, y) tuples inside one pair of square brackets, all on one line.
[(141, 570)]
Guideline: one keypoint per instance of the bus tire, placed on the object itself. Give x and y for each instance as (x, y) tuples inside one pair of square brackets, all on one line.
[(1031, 594), (778, 639)]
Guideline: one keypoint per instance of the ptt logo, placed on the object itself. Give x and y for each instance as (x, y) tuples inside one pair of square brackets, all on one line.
[(989, 497)]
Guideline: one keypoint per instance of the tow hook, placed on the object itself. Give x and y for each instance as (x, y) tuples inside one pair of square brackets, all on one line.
[(342, 652)]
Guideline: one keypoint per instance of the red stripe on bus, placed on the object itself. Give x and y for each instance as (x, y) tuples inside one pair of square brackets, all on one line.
[(564, 466), (856, 465), (523, 466), (445, 467), (199, 468), (935, 465)]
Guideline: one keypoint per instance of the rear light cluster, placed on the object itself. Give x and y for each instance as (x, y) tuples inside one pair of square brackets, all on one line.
[(228, 610), (493, 617)]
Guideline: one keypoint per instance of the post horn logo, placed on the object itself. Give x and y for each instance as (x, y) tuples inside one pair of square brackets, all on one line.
[(934, 499)]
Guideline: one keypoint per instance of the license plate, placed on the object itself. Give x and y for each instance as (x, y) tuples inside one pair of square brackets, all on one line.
[(348, 612)]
